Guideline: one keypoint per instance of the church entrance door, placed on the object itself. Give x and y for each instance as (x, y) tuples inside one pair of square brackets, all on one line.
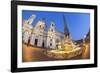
[(36, 41), (43, 44)]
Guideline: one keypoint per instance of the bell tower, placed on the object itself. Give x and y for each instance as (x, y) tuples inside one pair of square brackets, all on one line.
[(27, 29), (52, 26), (30, 20)]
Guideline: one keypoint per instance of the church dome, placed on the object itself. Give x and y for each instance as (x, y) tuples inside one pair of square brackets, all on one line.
[(41, 24)]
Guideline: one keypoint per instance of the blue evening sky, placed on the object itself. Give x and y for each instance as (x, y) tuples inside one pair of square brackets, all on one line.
[(78, 23)]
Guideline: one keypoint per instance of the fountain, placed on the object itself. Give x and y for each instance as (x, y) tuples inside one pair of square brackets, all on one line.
[(66, 49)]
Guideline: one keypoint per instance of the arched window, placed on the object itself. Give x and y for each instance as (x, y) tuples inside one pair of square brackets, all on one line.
[(57, 40), (52, 24), (40, 26), (52, 30), (50, 40), (50, 44)]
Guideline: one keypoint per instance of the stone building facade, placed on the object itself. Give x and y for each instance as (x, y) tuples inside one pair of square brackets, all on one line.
[(39, 35)]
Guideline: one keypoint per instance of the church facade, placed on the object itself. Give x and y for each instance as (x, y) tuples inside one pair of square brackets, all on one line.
[(39, 35)]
